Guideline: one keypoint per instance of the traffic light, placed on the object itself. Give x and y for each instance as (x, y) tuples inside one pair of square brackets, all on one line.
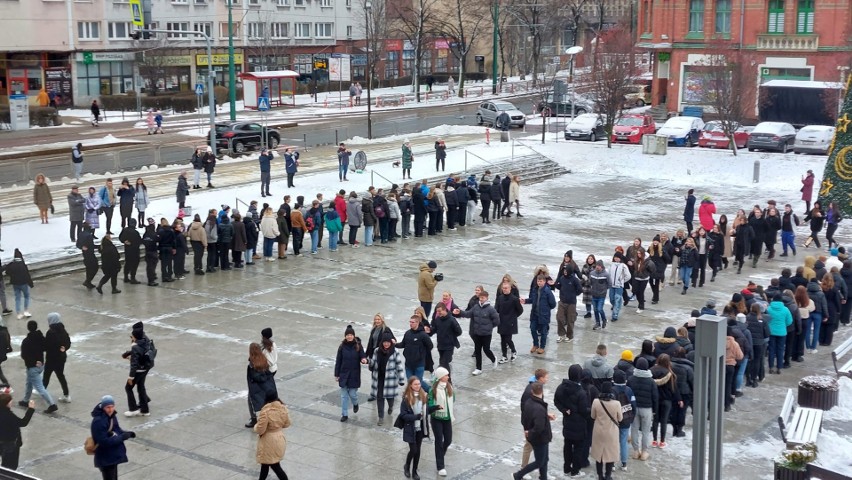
[(136, 35)]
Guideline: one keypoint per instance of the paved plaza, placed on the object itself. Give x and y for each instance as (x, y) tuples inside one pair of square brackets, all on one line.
[(202, 327)]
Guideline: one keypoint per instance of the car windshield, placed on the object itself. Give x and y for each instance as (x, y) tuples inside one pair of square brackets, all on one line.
[(222, 128), (504, 106), (629, 122), (768, 127), (584, 121)]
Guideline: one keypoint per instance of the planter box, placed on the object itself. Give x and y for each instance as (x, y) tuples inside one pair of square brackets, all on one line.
[(820, 393), (783, 473)]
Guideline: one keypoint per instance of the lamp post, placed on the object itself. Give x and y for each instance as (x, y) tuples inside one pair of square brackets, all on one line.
[(572, 52), (368, 5), (232, 74), (495, 16)]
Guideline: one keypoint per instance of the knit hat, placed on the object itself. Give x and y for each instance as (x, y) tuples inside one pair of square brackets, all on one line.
[(834, 252), (737, 298), (606, 389), (569, 254), (349, 330), (32, 326), (706, 197), (695, 314), (619, 377), (711, 303), (656, 238), (53, 318), (18, 254), (741, 317), (388, 337), (432, 264), (599, 263), (266, 333), (574, 372), (642, 364), (107, 400), (138, 331), (627, 355), (440, 373)]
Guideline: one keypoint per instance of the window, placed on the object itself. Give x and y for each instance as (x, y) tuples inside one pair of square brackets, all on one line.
[(254, 3), (696, 16), (283, 3), (89, 30), (223, 29), (325, 3), (805, 17), (323, 30), (349, 31), (303, 30), (776, 17), (392, 65), (200, 2), (279, 30), (300, 3), (204, 27), (649, 16), (349, 3), (182, 26), (119, 30), (180, 2), (723, 16), (255, 29)]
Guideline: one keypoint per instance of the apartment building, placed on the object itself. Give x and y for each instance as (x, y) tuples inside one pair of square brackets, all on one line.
[(83, 48), (798, 40)]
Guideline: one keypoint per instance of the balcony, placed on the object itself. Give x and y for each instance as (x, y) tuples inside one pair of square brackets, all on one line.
[(796, 43)]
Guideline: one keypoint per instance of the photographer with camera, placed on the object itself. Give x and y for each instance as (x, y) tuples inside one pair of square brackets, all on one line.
[(426, 283)]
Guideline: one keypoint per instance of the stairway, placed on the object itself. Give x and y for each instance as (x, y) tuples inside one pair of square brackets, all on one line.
[(659, 112)]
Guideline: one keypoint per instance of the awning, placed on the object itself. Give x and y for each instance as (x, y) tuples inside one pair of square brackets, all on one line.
[(803, 84)]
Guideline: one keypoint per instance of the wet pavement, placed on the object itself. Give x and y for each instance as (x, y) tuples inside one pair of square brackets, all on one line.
[(202, 327)]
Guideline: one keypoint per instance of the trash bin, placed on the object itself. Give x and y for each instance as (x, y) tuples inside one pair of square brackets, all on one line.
[(654, 144), (504, 135)]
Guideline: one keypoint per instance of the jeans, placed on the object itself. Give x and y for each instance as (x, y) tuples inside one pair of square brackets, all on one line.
[(139, 383), (442, 433), (539, 330), (541, 458), (417, 372), (811, 328), (332, 241), (314, 240), (776, 350), (353, 234), (34, 381), (342, 169), (268, 244), (196, 177), (212, 256), (685, 276), (623, 433), (738, 382), (265, 177), (788, 239), (641, 424), (384, 225), (347, 394), (21, 291), (616, 300), (600, 314), (368, 235)]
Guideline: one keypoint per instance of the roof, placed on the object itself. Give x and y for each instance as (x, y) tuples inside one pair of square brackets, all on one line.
[(271, 74), (803, 84)]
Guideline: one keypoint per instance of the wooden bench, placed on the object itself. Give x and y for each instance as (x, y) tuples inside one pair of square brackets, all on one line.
[(799, 426), (845, 370)]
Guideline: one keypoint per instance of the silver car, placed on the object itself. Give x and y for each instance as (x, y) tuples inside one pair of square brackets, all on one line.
[(488, 111), (814, 139)]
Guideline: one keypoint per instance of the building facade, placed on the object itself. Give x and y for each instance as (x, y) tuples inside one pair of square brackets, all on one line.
[(799, 40)]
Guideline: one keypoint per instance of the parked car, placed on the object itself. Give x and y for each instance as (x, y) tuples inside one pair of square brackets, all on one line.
[(630, 128), (563, 107), (814, 139), (239, 137), (713, 136), (588, 126), (637, 96), (488, 111), (682, 130), (776, 136)]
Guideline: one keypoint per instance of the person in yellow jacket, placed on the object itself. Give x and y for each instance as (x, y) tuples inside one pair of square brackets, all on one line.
[(43, 98), (426, 282)]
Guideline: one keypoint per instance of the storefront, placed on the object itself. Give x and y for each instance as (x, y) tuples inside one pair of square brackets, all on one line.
[(24, 73), (103, 73), (166, 71), (220, 67)]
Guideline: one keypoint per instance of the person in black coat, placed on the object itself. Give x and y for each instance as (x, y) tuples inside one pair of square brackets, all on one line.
[(573, 402), (684, 370), (715, 248), (110, 265), (509, 308), (536, 423), (772, 225), (415, 345), (440, 151), (669, 395), (57, 342), (452, 201), (758, 225), (132, 241), (418, 201), (253, 234), (167, 244), (743, 239), (689, 210), (497, 198), (149, 240), (10, 430), (447, 330), (485, 196), (569, 287), (32, 353), (181, 250), (260, 381), (225, 231), (759, 329), (86, 244), (462, 197), (347, 371), (127, 195), (414, 412), (667, 343), (504, 191)]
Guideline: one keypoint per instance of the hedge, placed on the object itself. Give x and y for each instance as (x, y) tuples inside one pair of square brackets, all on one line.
[(179, 102), (39, 116)]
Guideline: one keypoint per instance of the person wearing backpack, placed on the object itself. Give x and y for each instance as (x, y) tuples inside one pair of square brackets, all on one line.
[(141, 356), (625, 396), (313, 221), (108, 438)]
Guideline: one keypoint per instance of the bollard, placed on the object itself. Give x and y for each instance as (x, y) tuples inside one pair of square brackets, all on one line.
[(336, 141), (487, 136), (305, 140), (756, 175)]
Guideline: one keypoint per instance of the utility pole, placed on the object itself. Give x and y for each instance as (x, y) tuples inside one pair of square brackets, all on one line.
[(368, 5), (232, 73), (495, 14)]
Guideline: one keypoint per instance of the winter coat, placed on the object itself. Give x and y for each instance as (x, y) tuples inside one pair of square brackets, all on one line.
[(297, 220), (252, 233), (450, 197), (808, 188), (462, 195), (409, 430), (10, 425), (667, 343), (644, 388), (291, 162), (440, 151), (569, 288), (743, 238), (5, 344), (332, 221), (542, 303), (393, 210), (340, 206), (265, 162), (685, 372), (416, 344), (107, 196), (626, 367), (126, 196), (816, 221), (705, 214), (141, 199), (269, 227), (76, 207), (662, 377), (225, 232), (239, 240), (536, 423), (772, 225), (211, 229), (605, 444), (271, 444), (509, 308), (600, 369), (18, 273), (661, 259), (197, 160), (514, 192), (109, 437), (573, 402), (758, 328), (733, 352), (354, 215), (347, 365), (32, 349), (209, 163), (483, 318), (688, 257), (485, 188), (598, 283), (260, 382), (418, 202), (197, 233), (619, 275), (369, 214), (182, 189), (110, 258), (816, 294), (166, 237), (375, 339), (689, 209), (426, 284), (42, 197), (394, 373), (407, 156), (496, 191), (446, 331)]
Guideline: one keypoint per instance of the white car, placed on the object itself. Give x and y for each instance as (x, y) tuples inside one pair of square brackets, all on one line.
[(588, 126), (814, 139), (682, 130)]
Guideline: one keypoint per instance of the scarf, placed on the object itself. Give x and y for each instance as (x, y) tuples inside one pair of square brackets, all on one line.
[(445, 401)]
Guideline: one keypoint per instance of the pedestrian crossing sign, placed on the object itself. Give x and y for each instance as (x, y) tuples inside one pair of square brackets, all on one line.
[(136, 13), (262, 104)]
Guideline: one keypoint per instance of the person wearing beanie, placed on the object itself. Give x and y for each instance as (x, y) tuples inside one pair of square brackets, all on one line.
[(32, 353), (109, 438), (270, 351), (667, 343), (623, 393), (57, 343), (388, 374), (710, 308), (139, 367), (607, 413), (647, 397), (440, 403), (574, 404), (625, 365), (347, 371)]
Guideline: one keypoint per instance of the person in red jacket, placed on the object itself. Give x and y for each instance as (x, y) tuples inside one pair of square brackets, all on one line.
[(340, 207), (808, 189), (705, 213)]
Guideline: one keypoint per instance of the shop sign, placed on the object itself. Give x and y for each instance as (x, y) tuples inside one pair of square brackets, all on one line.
[(92, 57), (58, 79), (218, 59), (442, 44), (393, 45)]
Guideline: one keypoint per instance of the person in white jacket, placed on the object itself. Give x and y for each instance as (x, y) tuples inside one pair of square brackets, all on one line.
[(270, 232), (619, 275), (515, 195)]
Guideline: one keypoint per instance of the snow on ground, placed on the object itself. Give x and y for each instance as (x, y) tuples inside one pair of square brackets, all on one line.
[(105, 140), (439, 131)]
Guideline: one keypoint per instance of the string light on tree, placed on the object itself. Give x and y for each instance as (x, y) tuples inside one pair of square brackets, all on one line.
[(836, 183)]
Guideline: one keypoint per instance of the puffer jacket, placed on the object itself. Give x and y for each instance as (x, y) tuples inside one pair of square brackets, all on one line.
[(662, 377), (779, 318), (354, 215), (599, 283), (758, 328), (600, 369), (667, 343), (644, 389), (542, 302), (271, 444), (816, 294), (368, 214), (685, 372), (483, 318), (571, 397)]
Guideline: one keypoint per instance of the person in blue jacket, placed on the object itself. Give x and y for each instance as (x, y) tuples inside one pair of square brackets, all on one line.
[(109, 438), (291, 164), (543, 302)]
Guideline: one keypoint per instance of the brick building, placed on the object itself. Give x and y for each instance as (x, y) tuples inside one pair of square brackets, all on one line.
[(799, 40)]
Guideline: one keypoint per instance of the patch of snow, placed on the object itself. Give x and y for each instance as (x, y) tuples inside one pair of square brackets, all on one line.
[(439, 131)]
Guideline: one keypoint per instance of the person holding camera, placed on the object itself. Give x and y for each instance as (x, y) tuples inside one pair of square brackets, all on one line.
[(426, 283)]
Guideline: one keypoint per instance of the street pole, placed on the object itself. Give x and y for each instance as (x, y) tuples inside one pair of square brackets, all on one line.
[(232, 74), (367, 8), (495, 16)]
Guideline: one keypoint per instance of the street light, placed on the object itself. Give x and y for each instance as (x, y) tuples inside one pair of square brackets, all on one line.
[(232, 77), (572, 52), (368, 5)]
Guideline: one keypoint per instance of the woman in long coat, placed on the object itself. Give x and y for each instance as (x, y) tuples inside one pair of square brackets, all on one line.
[(261, 382), (93, 205), (141, 199), (271, 444), (42, 197), (407, 159), (347, 371), (239, 241), (606, 412), (728, 244), (388, 374), (110, 264)]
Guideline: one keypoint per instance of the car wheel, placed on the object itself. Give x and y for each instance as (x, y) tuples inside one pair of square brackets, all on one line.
[(593, 137), (239, 147), (750, 149), (784, 147), (273, 142), (640, 103), (688, 141), (478, 119)]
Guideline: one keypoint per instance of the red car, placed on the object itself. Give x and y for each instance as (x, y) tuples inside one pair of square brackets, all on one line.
[(714, 137), (631, 128)]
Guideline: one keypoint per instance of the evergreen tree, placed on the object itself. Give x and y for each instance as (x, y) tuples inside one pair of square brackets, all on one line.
[(836, 183)]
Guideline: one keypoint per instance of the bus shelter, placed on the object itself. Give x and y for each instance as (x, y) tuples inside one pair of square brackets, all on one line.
[(278, 85)]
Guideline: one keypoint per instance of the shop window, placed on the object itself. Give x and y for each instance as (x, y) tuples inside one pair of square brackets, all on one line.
[(89, 30), (323, 30), (775, 23), (696, 16), (723, 16), (805, 17), (392, 65)]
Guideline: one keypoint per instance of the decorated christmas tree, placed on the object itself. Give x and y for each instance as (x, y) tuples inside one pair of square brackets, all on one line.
[(837, 179)]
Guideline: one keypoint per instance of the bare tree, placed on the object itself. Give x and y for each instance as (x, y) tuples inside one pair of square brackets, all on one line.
[(729, 87), (413, 22), (573, 11), (270, 46), (465, 22), (613, 70), (532, 16), (375, 27)]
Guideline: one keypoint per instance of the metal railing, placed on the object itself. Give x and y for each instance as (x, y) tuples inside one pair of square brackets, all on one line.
[(467, 152), (373, 178)]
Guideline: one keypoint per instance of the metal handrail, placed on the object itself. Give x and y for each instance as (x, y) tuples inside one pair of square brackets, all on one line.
[(237, 203), (373, 178), (466, 153)]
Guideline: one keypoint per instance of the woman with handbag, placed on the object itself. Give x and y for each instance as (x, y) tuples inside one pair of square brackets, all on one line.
[(606, 412), (413, 413), (272, 419), (107, 440)]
